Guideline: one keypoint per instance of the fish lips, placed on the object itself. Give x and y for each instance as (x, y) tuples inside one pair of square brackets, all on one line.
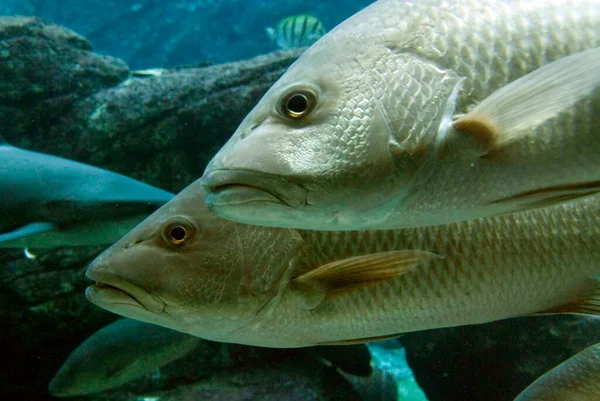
[(112, 290), (233, 187)]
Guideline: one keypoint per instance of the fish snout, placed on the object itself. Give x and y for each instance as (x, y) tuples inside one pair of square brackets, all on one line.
[(232, 187), (111, 288)]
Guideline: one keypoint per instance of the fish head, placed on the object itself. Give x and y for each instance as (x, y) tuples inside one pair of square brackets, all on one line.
[(318, 149), (186, 269)]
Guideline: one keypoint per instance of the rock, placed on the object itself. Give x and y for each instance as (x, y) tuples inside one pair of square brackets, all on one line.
[(495, 361), (289, 380), (43, 70)]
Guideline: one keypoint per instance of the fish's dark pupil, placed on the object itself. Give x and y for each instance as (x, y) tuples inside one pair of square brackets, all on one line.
[(178, 233), (297, 104)]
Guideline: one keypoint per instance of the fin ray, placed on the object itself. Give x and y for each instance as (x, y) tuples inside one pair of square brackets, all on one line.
[(350, 274)]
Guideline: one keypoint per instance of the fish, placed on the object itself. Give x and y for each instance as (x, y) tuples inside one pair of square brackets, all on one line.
[(48, 201), (120, 352), (576, 379), (186, 269), (296, 31), (128, 349), (422, 113)]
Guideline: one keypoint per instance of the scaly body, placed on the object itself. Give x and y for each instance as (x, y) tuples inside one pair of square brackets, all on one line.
[(358, 133), (490, 269), (186, 269)]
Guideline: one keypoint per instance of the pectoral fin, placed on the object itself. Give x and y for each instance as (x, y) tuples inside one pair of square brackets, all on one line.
[(271, 33), (549, 196), (510, 112), (348, 275), (26, 231)]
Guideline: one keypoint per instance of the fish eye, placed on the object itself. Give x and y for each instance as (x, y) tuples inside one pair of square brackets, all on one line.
[(298, 104), (178, 232)]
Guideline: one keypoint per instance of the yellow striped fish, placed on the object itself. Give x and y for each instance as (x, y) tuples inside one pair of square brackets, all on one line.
[(296, 31)]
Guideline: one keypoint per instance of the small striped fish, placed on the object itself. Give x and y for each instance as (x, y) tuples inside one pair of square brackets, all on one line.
[(296, 31)]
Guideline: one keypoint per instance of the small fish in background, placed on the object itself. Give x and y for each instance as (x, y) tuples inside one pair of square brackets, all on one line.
[(128, 349), (413, 114), (48, 201), (186, 269), (296, 31), (150, 72), (576, 379), (118, 353)]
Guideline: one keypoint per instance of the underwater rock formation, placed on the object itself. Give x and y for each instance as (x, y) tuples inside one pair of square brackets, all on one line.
[(44, 69), (173, 121)]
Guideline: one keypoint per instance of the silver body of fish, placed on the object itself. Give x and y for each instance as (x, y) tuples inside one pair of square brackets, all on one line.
[(186, 269), (120, 352), (420, 113), (48, 201), (576, 379)]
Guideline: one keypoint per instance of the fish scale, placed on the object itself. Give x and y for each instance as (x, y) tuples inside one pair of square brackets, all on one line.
[(444, 288), (383, 147), (277, 287)]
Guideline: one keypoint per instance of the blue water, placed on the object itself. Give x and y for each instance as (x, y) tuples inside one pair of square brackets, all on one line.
[(390, 357), (161, 33)]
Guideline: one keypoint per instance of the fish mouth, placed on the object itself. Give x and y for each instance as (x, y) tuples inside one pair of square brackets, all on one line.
[(111, 289), (232, 187)]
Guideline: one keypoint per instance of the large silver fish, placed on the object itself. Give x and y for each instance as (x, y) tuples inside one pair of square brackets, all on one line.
[(419, 113), (576, 379), (188, 270), (47, 201)]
